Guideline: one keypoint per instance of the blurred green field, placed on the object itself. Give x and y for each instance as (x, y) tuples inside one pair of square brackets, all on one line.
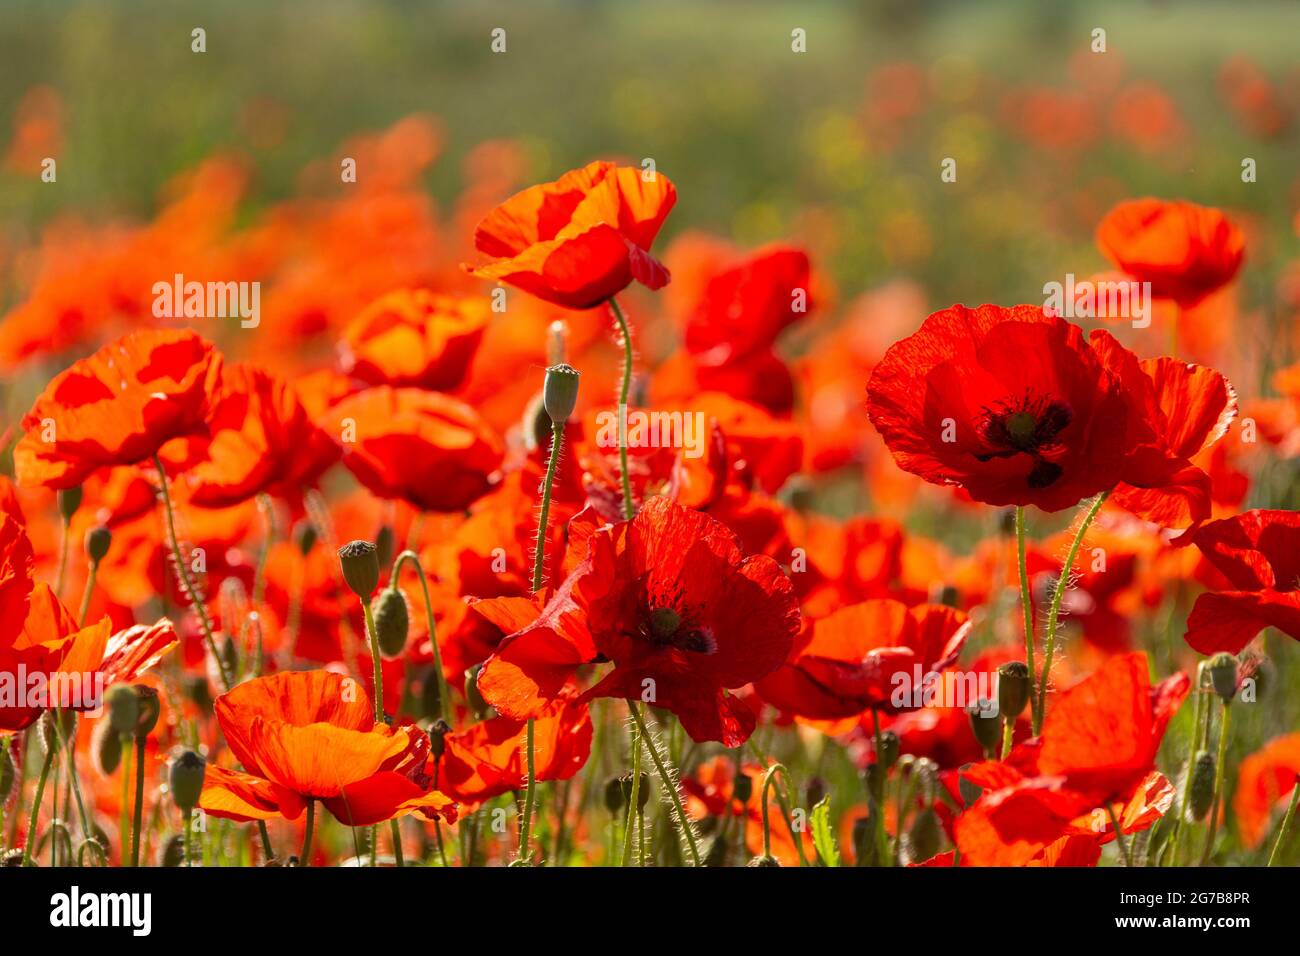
[(753, 134)]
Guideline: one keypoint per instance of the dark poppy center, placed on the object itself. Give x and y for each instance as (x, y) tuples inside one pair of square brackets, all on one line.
[(665, 627), (1027, 426), (664, 622)]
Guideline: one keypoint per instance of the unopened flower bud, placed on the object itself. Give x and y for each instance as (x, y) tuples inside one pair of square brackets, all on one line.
[(888, 754), (7, 774), (1201, 792), (123, 708), (106, 747), (186, 779), (1223, 675), (560, 393), (987, 726), (360, 563), (198, 690), (643, 789), (815, 791), (969, 790), (431, 695), (69, 502), (150, 710), (614, 798), (98, 540), (477, 705), (171, 852), (742, 788), (438, 731), (923, 837), (1013, 688), (392, 622), (385, 543), (305, 536)]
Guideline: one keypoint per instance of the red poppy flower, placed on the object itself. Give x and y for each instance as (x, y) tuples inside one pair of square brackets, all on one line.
[(851, 660), (580, 240), (1098, 746), (1259, 553), (1009, 403), (260, 438), (415, 337), (117, 407), (669, 599), (488, 759), (423, 447), (1265, 780), (1184, 250), (1176, 411), (305, 735), (39, 636)]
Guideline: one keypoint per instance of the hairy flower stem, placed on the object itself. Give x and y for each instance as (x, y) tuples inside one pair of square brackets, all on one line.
[(1026, 604), (634, 797), (1221, 759), (124, 814), (1286, 824), (91, 573), (1171, 848), (668, 782), (530, 798), (378, 676), (885, 857), (36, 806), (1119, 837), (629, 505), (1054, 610), (304, 855), (63, 557), (413, 559), (769, 779), (138, 815), (186, 582)]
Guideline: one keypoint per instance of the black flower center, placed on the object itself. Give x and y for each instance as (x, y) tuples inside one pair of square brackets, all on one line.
[(1029, 425)]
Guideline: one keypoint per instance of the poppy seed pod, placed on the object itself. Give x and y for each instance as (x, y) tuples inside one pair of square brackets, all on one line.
[(560, 393), (392, 622), (106, 748), (360, 563), (888, 755), (1201, 794), (98, 540), (923, 837), (150, 710), (1223, 675), (988, 729), (171, 852), (186, 778), (614, 798), (1013, 688), (123, 708), (69, 501)]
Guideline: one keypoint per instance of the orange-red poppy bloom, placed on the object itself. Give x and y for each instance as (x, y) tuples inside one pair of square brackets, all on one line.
[(260, 438), (669, 598), (580, 240), (1259, 554), (311, 735), (1010, 404), (117, 407), (1184, 250), (851, 660), (1265, 781), (415, 337), (422, 447)]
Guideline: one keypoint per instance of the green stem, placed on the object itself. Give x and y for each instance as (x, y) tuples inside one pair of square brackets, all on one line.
[(1218, 784), (1008, 735), (1119, 837), (629, 505), (86, 595), (124, 813), (304, 855), (1026, 603), (635, 796), (139, 800), (410, 557), (190, 590), (373, 637), (539, 558), (877, 798), (530, 798), (1055, 609), (63, 558), (36, 806), (187, 818), (768, 780), (666, 780), (395, 831), (1286, 824)]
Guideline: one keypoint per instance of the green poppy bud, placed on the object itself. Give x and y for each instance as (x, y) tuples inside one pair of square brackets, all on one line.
[(477, 705), (438, 731), (98, 540), (614, 798), (815, 791), (123, 708), (1201, 793), (742, 788), (150, 710), (392, 622), (106, 747), (186, 778), (360, 563), (385, 542), (171, 852), (970, 791), (923, 836), (69, 502), (7, 774), (988, 729), (199, 691), (431, 695), (1223, 675), (560, 393), (305, 536), (1013, 688)]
